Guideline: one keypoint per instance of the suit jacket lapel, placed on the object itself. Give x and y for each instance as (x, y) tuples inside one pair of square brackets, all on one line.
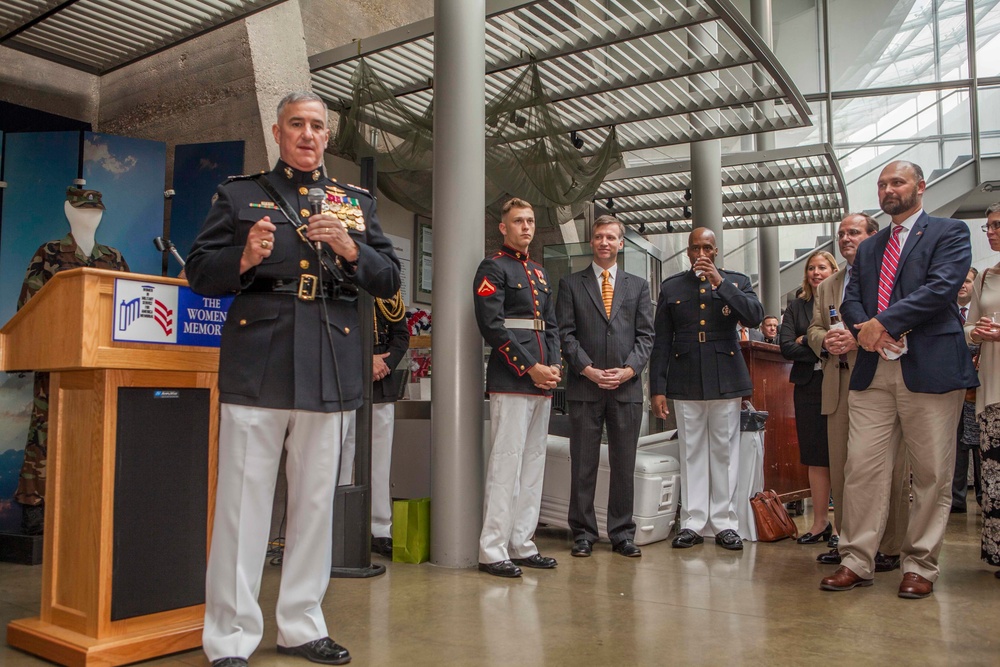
[(838, 288), (912, 238), (621, 284), (590, 284)]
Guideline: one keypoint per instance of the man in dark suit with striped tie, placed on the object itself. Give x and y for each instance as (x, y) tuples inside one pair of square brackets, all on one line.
[(911, 372), (606, 326)]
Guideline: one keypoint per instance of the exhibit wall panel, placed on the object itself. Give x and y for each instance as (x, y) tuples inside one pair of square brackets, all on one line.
[(199, 169), (130, 174)]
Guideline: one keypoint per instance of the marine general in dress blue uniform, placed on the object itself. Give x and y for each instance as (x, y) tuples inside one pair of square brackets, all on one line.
[(515, 311), (696, 361), (289, 377)]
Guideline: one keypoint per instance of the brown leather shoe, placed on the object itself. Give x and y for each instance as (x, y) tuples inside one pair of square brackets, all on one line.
[(914, 586), (843, 579)]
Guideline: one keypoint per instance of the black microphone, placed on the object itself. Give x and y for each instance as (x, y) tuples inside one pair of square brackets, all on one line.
[(315, 198), (165, 245)]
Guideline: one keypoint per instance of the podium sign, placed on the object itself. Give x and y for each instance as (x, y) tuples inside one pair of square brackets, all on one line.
[(133, 436)]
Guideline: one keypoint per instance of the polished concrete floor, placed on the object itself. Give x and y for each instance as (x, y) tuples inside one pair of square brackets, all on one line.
[(701, 606)]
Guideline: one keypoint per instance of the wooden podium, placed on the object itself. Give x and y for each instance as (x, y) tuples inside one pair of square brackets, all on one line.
[(772, 393), (132, 452)]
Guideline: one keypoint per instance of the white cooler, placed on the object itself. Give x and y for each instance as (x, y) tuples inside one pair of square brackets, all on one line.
[(657, 487)]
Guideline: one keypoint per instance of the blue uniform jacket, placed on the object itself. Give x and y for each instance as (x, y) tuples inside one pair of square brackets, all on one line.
[(509, 285), (696, 353)]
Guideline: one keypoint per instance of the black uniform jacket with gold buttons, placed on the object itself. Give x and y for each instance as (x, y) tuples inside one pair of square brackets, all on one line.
[(276, 351), (696, 353), (394, 338), (509, 285)]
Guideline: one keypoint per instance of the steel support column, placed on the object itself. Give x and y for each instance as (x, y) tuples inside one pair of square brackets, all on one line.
[(459, 238)]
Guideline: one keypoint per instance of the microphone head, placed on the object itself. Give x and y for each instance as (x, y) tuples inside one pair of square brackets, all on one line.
[(315, 196), (160, 244)]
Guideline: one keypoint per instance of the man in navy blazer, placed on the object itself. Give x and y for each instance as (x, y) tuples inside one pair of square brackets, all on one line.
[(901, 300), (606, 326)]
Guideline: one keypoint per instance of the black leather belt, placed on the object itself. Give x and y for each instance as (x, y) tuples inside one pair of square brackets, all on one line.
[(306, 287), (705, 336)]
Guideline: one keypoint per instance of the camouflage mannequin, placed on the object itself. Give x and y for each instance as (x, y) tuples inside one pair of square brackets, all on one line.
[(79, 248)]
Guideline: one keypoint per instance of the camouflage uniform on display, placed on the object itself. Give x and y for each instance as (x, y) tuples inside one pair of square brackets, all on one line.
[(50, 259)]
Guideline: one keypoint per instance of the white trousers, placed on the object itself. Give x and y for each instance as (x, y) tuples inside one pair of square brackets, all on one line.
[(250, 445), (519, 425), (383, 418), (709, 433)]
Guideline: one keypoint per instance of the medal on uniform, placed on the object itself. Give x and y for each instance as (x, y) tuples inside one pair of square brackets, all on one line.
[(541, 276), (726, 310)]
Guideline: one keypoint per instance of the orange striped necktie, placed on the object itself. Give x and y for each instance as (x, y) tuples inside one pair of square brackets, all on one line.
[(607, 292)]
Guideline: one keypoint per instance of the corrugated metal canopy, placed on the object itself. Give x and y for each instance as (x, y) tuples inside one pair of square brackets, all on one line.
[(661, 71), (789, 186), (99, 36)]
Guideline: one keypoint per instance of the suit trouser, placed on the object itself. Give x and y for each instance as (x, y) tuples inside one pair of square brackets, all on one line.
[(519, 425), (960, 483), (587, 419), (837, 425), (709, 433), (928, 423), (250, 445), (383, 419)]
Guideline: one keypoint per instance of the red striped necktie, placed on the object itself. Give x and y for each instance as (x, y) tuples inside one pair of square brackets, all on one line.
[(890, 262)]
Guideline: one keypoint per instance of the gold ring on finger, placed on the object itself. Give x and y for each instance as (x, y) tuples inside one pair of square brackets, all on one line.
[(265, 244)]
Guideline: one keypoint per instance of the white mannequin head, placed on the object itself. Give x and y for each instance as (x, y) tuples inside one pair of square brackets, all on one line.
[(85, 217)]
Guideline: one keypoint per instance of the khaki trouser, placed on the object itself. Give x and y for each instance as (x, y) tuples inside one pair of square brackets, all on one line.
[(928, 423), (837, 425)]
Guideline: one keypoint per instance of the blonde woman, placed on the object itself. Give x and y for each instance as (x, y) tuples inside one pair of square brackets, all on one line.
[(981, 327), (807, 375)]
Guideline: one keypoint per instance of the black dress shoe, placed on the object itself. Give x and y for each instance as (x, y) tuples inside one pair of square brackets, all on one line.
[(382, 546), (582, 548), (833, 542), (831, 557), (537, 561), (955, 509), (885, 563), (686, 539), (627, 548), (325, 651), (230, 662), (811, 538), (501, 568), (729, 539)]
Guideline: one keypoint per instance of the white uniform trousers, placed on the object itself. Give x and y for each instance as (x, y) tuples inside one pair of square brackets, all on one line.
[(709, 433), (383, 418), (519, 425), (250, 445)]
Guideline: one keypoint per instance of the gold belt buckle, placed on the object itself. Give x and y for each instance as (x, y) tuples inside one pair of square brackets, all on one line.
[(307, 287), (701, 336)]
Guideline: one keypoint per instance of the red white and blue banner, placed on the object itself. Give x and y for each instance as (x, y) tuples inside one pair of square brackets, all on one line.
[(167, 314)]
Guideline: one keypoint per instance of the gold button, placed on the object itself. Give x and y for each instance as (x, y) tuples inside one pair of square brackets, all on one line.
[(702, 290), (522, 368), (303, 190), (536, 292), (304, 263), (732, 354), (243, 323), (515, 358), (678, 300), (537, 314), (703, 279), (347, 330), (305, 213), (519, 284), (702, 322), (703, 306), (536, 302), (532, 282)]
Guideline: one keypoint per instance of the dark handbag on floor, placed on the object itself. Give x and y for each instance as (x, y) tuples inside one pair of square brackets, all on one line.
[(773, 522)]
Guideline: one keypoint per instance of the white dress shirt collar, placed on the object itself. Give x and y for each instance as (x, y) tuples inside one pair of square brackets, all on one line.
[(613, 271)]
